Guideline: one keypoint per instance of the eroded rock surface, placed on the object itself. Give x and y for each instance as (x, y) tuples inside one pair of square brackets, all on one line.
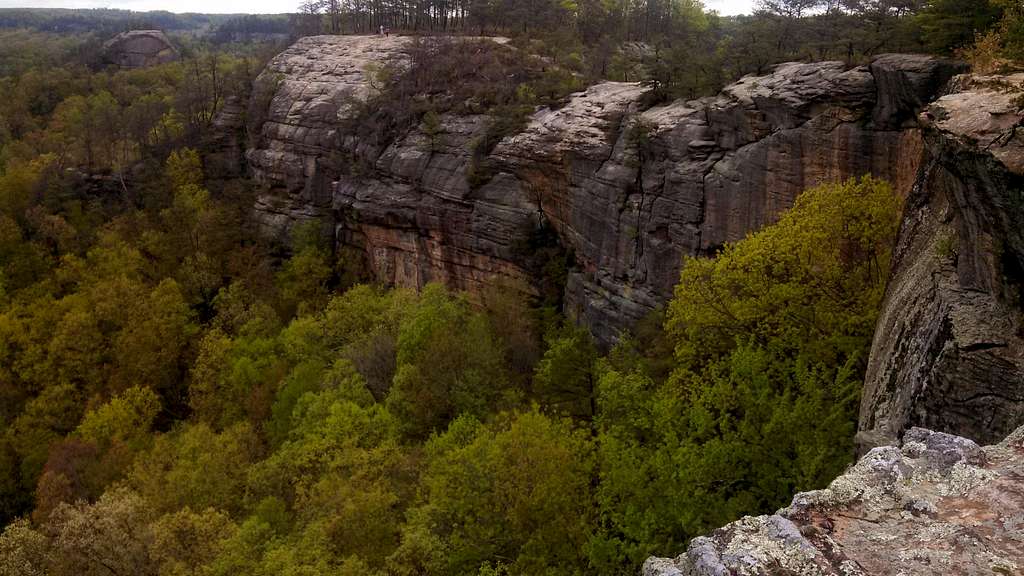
[(629, 189), (938, 504), (139, 49), (684, 178), (948, 352)]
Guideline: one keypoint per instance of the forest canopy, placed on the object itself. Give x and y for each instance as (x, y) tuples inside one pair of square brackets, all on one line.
[(162, 420)]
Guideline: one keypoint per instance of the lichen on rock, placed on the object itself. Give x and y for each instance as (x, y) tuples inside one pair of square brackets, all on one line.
[(937, 504)]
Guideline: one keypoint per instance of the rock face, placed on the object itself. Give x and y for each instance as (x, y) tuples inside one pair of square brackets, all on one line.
[(628, 189), (299, 104), (139, 49), (937, 505), (223, 147), (632, 191), (948, 352)]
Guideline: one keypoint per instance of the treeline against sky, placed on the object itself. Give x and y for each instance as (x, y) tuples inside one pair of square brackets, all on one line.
[(687, 49)]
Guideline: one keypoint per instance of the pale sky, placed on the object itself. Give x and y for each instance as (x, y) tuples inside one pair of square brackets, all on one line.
[(726, 7)]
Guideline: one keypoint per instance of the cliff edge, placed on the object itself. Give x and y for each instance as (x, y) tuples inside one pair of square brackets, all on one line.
[(937, 504), (948, 352)]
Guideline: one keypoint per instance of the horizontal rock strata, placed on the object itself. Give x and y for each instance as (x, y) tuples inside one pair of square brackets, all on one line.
[(139, 49), (629, 190)]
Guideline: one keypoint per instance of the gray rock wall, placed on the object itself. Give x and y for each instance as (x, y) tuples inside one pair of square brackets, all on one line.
[(948, 352), (139, 49), (705, 172)]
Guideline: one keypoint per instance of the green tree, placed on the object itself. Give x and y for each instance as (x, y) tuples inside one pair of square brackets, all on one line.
[(126, 418), (184, 168), (811, 282), (342, 469), (234, 378), (448, 363), (196, 467), (951, 24), (304, 278), (564, 380), (185, 542), (516, 491)]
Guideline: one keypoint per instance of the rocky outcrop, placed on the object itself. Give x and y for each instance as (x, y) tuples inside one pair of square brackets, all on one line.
[(298, 107), (633, 191), (139, 49), (948, 352), (628, 189), (938, 504)]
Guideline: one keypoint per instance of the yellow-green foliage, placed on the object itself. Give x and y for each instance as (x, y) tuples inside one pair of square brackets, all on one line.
[(814, 280), (125, 418), (515, 491), (401, 432)]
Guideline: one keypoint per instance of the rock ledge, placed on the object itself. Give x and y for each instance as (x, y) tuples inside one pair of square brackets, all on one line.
[(937, 504)]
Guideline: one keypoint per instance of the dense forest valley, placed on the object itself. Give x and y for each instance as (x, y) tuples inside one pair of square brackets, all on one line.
[(181, 395)]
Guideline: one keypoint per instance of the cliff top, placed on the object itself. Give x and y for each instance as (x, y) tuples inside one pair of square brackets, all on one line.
[(987, 111)]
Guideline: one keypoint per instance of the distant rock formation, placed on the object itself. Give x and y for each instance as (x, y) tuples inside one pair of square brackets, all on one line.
[(948, 351), (628, 190), (139, 49), (937, 505)]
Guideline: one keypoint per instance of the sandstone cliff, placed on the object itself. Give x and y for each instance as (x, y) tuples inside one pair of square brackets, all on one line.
[(938, 504), (948, 352), (629, 190)]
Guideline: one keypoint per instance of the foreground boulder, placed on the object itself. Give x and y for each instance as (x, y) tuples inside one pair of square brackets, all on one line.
[(628, 189), (948, 352), (139, 49), (938, 504)]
